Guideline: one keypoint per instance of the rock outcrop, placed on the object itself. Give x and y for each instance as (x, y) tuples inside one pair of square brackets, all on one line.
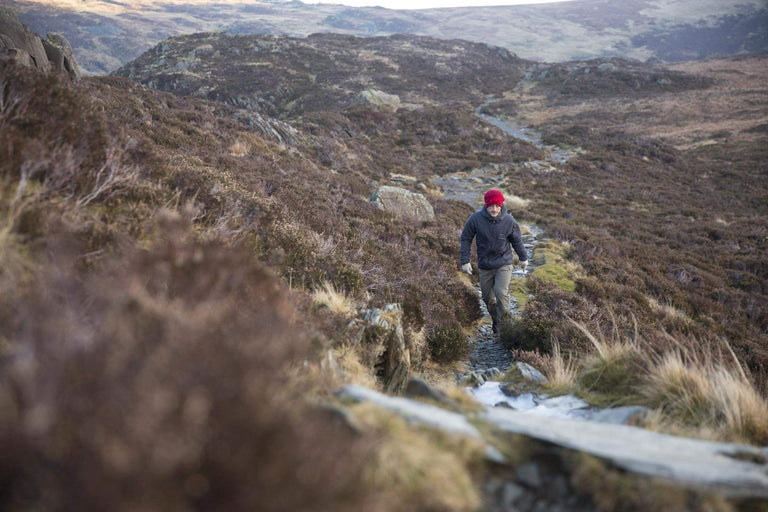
[(60, 56), (733, 472), (378, 100), (386, 334), (403, 203), (20, 44)]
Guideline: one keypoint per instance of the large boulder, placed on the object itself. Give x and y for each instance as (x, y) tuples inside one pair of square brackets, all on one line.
[(28, 46), (60, 56), (403, 203), (20, 44), (378, 99)]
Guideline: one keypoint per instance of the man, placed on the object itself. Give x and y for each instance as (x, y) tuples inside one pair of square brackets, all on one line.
[(496, 233)]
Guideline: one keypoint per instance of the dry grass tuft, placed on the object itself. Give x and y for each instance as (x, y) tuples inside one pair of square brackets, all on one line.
[(693, 390), (515, 203), (608, 350), (708, 395), (239, 148), (563, 372), (336, 301)]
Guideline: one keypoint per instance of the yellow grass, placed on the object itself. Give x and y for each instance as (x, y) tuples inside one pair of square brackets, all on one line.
[(562, 372), (609, 350), (515, 203), (667, 310), (239, 148), (709, 395), (693, 392), (327, 296)]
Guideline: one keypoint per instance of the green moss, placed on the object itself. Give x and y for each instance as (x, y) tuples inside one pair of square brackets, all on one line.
[(551, 265), (519, 290)]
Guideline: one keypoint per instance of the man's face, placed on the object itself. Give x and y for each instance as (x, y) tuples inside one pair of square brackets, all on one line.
[(494, 209)]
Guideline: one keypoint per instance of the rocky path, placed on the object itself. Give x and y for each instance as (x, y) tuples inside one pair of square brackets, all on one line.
[(487, 351)]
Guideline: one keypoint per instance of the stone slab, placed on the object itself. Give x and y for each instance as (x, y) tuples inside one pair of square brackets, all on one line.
[(733, 470)]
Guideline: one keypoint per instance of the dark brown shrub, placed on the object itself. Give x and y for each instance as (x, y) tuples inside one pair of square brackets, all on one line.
[(159, 384), (448, 344)]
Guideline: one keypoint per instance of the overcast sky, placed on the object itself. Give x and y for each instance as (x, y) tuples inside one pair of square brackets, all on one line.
[(427, 4)]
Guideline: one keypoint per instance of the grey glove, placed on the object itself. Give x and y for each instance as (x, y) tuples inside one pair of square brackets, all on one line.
[(524, 264), (467, 267)]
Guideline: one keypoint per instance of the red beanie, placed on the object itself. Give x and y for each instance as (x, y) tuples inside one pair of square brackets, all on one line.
[(494, 196)]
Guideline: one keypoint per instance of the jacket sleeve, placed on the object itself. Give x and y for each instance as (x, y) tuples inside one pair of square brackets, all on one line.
[(516, 239), (467, 235)]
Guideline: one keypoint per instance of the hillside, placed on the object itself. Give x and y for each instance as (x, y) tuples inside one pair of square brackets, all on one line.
[(189, 258), (606, 109), (108, 34)]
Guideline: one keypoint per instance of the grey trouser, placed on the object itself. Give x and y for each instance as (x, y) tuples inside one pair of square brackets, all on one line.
[(495, 283)]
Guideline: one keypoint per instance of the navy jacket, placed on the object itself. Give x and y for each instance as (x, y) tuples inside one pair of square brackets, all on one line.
[(494, 236)]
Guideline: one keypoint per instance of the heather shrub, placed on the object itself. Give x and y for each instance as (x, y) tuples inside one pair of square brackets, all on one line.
[(532, 334), (159, 383), (448, 344), (57, 142)]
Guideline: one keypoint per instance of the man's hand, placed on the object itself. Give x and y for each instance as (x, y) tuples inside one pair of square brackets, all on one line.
[(524, 264), (467, 267)]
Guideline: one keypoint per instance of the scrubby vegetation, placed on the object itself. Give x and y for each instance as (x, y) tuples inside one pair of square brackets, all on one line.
[(158, 260), (188, 273)]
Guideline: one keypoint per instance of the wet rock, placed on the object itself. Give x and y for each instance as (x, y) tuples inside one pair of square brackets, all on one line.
[(530, 373), (510, 494), (418, 388), (510, 389), (493, 373), (472, 379), (559, 489), (402, 203)]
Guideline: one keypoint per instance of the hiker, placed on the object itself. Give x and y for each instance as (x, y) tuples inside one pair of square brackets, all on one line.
[(497, 233)]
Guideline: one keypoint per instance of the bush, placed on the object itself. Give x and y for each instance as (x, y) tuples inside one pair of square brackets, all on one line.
[(448, 344), (159, 383)]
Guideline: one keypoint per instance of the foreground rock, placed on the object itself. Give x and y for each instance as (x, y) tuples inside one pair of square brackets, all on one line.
[(732, 471)]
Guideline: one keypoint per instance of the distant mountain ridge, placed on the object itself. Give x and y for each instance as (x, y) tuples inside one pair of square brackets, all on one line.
[(326, 72), (106, 35)]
